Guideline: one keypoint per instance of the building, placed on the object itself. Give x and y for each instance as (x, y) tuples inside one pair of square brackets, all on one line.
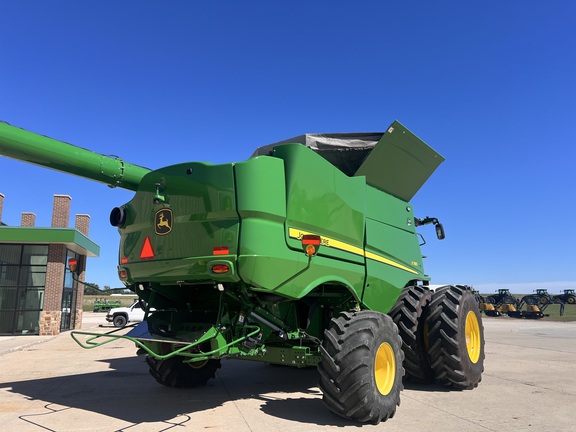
[(38, 295)]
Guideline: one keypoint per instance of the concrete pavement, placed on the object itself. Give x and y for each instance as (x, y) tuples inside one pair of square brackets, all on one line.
[(529, 384)]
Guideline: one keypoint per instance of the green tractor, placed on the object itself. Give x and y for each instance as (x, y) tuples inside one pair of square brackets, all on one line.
[(568, 297), (306, 254), (104, 305)]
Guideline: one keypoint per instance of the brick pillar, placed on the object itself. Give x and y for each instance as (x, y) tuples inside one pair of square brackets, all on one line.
[(52, 313), (61, 211), (1, 205), (28, 219), (83, 225)]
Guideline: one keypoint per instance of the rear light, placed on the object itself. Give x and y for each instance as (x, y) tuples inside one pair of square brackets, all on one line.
[(311, 244), (124, 260), (220, 268), (147, 252), (123, 274), (220, 250)]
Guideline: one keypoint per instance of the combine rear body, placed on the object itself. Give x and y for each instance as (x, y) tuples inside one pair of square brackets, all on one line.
[(305, 254)]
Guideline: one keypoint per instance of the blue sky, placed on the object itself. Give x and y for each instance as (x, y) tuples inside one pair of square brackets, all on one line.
[(490, 85)]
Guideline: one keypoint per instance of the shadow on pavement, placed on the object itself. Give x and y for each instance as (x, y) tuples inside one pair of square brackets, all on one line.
[(127, 392)]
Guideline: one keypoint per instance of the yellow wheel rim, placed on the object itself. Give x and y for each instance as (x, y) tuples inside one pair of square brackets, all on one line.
[(385, 368), (472, 331), (198, 365)]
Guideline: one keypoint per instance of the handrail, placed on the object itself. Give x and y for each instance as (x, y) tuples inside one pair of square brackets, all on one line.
[(211, 333)]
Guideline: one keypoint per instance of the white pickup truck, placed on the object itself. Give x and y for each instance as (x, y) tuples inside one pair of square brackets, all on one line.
[(123, 315)]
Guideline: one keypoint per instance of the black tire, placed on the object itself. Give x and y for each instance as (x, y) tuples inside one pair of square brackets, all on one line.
[(409, 313), (119, 321), (361, 368), (571, 300), (491, 300), (456, 337), (174, 372)]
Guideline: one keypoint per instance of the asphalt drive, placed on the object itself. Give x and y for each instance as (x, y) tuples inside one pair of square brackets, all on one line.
[(51, 384)]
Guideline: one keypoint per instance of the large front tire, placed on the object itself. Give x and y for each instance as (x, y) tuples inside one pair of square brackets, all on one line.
[(361, 369), (456, 337), (174, 372)]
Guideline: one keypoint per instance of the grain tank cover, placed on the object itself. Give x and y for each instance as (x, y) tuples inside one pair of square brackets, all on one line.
[(400, 163), (395, 161), (346, 151)]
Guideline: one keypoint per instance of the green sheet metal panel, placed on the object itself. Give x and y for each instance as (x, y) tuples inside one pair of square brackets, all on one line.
[(400, 163)]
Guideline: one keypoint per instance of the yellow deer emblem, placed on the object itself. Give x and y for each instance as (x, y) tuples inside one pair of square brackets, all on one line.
[(163, 221)]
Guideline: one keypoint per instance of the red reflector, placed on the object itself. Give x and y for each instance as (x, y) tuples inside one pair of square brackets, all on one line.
[(220, 250), (147, 252), (124, 260), (310, 239), (220, 268), (123, 274)]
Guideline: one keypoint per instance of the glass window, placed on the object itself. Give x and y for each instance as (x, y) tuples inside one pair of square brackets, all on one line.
[(31, 299), (28, 322), (10, 254), (7, 298), (9, 275), (7, 322), (33, 276), (22, 282), (35, 255), (68, 281)]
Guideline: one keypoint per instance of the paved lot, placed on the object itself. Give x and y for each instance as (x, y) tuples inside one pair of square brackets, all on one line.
[(529, 385)]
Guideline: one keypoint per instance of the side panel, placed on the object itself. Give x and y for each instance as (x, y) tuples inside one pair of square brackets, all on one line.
[(269, 260), (264, 260), (393, 255), (322, 200)]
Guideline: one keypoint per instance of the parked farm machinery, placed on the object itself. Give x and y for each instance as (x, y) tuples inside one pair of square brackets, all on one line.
[(499, 303), (536, 304), (531, 306)]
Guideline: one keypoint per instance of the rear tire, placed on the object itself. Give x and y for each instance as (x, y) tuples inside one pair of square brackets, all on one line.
[(456, 337), (409, 313), (361, 368), (174, 372)]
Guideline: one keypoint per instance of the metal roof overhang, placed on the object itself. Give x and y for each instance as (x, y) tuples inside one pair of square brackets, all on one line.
[(72, 238)]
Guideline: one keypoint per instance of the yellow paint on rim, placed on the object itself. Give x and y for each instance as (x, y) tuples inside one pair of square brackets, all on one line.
[(198, 365), (385, 368), (472, 332), (337, 244)]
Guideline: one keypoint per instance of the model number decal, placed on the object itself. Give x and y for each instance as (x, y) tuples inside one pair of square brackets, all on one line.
[(336, 244)]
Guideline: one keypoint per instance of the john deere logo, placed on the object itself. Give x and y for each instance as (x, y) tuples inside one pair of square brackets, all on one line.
[(163, 221)]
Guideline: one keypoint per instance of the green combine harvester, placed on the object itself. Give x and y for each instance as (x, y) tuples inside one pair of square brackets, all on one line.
[(306, 254)]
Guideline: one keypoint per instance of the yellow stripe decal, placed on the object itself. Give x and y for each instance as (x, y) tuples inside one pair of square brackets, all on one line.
[(336, 244)]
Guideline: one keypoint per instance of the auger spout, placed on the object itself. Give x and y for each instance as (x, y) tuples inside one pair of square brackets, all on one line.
[(20, 144)]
